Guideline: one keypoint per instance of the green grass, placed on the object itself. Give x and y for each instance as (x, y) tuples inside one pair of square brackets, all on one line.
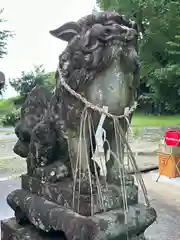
[(7, 105), (140, 120)]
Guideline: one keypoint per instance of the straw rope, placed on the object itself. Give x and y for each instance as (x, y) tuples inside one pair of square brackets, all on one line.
[(118, 131)]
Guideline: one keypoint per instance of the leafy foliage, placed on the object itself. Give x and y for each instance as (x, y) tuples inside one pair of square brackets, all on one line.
[(10, 119), (4, 35), (159, 48), (28, 80), (10, 108)]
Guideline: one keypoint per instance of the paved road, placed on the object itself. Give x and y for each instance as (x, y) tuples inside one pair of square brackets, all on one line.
[(5, 188), (165, 198)]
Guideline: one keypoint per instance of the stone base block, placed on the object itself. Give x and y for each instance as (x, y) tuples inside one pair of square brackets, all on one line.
[(10, 230), (50, 217), (61, 194)]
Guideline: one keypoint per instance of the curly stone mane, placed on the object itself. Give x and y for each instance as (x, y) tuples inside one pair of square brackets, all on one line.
[(93, 43), (89, 48)]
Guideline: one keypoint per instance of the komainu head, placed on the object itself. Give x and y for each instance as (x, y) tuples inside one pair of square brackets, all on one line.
[(93, 43)]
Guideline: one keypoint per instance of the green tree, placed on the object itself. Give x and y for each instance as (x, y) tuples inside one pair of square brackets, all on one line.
[(164, 79), (28, 80), (158, 26), (50, 80), (4, 35), (167, 78)]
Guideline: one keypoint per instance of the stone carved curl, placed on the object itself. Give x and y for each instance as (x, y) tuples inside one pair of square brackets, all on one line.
[(90, 43)]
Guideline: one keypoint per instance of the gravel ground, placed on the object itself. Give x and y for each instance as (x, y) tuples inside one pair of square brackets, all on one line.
[(12, 165)]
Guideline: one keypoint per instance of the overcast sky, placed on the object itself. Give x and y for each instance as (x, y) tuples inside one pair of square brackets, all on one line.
[(31, 22)]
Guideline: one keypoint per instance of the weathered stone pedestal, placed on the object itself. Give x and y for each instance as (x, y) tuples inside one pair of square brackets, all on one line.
[(10, 229), (48, 207)]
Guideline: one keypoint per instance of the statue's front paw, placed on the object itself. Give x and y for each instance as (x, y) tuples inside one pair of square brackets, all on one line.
[(20, 217), (52, 172)]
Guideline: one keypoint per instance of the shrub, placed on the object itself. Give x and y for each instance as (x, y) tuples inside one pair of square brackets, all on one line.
[(10, 119)]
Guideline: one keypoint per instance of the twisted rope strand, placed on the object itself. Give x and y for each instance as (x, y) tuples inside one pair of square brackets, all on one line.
[(120, 131)]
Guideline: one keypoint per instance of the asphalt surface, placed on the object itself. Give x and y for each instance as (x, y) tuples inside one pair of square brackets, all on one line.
[(5, 188), (164, 197)]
